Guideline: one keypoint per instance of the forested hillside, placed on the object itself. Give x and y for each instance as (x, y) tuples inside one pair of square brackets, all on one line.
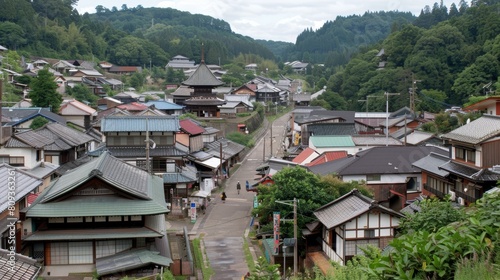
[(446, 63), (129, 36), (337, 40)]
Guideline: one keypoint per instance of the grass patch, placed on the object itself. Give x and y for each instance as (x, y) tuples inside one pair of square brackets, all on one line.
[(248, 256), (200, 262)]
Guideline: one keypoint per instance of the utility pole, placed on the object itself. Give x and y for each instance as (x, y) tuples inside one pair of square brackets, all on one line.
[(1, 105), (148, 166), (387, 116), (413, 91), (295, 250), (366, 100), (271, 140), (264, 150), (295, 253)]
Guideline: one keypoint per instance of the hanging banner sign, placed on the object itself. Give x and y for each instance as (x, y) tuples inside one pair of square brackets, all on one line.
[(276, 232), (193, 212)]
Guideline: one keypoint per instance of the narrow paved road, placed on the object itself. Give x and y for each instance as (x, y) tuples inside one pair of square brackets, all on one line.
[(225, 224)]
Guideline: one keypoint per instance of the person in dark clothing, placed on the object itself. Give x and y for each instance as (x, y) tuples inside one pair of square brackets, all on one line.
[(238, 187), (223, 197)]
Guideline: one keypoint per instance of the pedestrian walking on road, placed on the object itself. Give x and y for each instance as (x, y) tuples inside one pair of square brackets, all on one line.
[(223, 197), (238, 187)]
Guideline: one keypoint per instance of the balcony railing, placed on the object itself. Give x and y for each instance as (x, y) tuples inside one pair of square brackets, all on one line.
[(458, 194)]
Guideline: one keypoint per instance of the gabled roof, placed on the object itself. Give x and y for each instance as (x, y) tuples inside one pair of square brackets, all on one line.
[(143, 191), (477, 131), (388, 160), (328, 156), (483, 103), (348, 207), (432, 162), (202, 77), (191, 127), (27, 139), (348, 116), (164, 105), (371, 140), (418, 137), (20, 115), (130, 259), (472, 173), (332, 129), (59, 132), (304, 155), (331, 167), (23, 268), (140, 123), (133, 106), (229, 148), (24, 184), (81, 107), (331, 141)]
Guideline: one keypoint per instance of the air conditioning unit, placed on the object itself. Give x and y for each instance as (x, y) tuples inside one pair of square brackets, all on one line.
[(453, 196), (461, 201)]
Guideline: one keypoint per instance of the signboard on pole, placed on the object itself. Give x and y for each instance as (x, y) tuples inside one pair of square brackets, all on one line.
[(276, 232), (193, 212)]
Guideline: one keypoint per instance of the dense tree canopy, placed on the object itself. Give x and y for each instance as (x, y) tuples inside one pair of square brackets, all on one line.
[(43, 91)]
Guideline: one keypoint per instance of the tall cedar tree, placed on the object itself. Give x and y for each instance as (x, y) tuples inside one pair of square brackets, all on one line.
[(43, 91)]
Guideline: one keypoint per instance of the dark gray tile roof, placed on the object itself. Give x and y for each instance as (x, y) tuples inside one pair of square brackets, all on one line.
[(331, 167), (210, 130), (474, 174), (28, 139), (130, 259), (129, 178), (171, 178), (138, 123), (388, 160), (432, 162), (202, 77), (69, 135), (476, 131), (204, 100), (348, 116), (229, 148), (24, 267), (332, 129), (20, 115), (24, 183), (73, 164), (140, 152), (347, 207)]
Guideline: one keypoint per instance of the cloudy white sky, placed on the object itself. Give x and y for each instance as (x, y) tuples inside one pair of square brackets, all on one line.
[(277, 20)]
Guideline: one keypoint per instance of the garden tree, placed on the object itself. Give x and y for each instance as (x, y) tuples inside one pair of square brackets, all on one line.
[(137, 80), (82, 94), (38, 122), (265, 271), (445, 122), (43, 91), (334, 100), (311, 190), (436, 255), (321, 103), (434, 214)]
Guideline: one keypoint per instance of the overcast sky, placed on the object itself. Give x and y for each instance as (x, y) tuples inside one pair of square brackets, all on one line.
[(277, 20)]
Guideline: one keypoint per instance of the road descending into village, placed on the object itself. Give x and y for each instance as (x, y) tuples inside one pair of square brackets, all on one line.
[(225, 225)]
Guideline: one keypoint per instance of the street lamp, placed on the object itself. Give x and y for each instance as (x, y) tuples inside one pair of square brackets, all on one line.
[(295, 251), (387, 116)]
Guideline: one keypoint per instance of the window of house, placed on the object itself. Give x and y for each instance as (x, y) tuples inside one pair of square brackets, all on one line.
[(16, 161), (80, 252), (48, 158), (412, 184), (465, 154), (110, 247), (372, 177), (369, 233), (4, 159)]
